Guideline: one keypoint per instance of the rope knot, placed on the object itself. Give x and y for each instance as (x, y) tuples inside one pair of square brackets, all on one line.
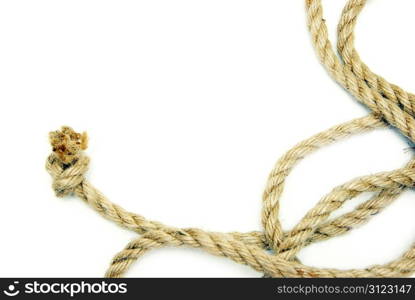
[(67, 165)]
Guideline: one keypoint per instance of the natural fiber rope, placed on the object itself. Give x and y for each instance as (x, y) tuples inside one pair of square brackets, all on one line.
[(273, 252)]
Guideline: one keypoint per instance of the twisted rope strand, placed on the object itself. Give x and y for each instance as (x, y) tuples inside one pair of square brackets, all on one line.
[(342, 73), (273, 251), (350, 56)]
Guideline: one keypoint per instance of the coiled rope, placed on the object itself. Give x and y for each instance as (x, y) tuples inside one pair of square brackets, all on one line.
[(273, 251)]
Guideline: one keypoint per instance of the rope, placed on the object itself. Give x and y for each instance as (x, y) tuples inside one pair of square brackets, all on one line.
[(273, 251)]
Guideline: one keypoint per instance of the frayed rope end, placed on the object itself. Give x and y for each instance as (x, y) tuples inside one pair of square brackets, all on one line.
[(67, 144)]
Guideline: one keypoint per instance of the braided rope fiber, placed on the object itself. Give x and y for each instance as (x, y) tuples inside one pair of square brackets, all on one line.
[(273, 251)]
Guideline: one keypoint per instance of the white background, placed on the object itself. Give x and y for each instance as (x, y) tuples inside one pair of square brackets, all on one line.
[(188, 104)]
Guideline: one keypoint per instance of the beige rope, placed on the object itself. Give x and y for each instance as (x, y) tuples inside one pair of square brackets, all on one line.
[(274, 251)]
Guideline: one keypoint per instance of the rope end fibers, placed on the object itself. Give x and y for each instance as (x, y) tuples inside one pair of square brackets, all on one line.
[(67, 154), (68, 144), (273, 251)]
